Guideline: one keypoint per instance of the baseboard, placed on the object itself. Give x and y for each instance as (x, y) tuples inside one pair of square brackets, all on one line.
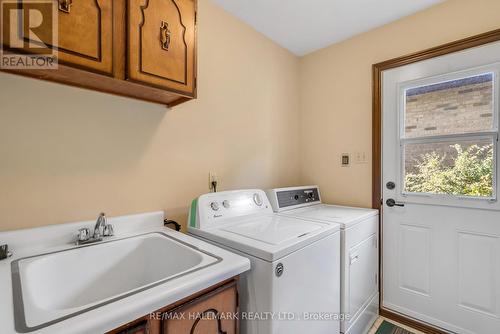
[(411, 322)]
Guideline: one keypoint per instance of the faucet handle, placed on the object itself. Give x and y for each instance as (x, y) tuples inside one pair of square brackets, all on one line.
[(83, 234), (108, 230)]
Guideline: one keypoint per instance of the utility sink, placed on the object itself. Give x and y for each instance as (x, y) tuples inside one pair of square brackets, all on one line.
[(52, 287)]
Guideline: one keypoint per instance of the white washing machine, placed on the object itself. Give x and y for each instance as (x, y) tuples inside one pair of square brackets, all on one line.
[(359, 250), (291, 288)]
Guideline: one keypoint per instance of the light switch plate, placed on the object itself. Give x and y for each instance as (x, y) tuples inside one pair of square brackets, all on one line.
[(360, 157)]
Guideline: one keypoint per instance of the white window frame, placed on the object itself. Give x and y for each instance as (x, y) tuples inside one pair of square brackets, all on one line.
[(492, 134)]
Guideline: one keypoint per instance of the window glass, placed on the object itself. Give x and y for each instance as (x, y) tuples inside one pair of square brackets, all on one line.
[(455, 167), (452, 107)]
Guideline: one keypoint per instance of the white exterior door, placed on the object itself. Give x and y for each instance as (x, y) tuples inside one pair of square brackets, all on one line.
[(441, 212)]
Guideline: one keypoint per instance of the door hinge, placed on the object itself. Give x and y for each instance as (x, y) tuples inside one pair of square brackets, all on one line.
[(376, 279), (195, 17)]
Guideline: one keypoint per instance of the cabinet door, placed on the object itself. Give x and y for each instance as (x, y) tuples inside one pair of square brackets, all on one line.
[(85, 33), (145, 325), (213, 313), (139, 328), (161, 44)]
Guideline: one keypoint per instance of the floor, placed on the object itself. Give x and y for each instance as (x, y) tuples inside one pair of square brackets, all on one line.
[(379, 321)]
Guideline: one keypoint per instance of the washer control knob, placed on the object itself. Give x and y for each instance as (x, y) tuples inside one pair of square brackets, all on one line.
[(226, 204), (214, 206), (257, 199)]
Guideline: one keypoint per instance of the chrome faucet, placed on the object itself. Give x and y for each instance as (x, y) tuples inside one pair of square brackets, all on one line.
[(100, 225), (101, 229)]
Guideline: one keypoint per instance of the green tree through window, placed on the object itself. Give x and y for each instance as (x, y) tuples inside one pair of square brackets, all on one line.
[(469, 175)]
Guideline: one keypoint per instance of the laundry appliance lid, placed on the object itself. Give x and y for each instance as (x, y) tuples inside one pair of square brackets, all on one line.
[(273, 230), (268, 236), (344, 215)]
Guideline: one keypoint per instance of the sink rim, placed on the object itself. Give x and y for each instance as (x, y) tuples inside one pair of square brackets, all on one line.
[(17, 294)]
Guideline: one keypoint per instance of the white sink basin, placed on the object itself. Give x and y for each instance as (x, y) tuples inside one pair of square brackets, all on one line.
[(52, 287)]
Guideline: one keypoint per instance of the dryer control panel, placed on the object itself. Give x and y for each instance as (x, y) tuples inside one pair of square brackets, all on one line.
[(290, 198)]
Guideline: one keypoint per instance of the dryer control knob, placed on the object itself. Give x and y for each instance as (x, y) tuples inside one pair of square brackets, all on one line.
[(257, 199), (214, 206), (226, 204)]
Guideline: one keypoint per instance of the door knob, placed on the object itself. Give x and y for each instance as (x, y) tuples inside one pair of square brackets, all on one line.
[(391, 202)]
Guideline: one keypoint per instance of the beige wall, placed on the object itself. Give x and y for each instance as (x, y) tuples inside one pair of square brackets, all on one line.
[(66, 154), (336, 91)]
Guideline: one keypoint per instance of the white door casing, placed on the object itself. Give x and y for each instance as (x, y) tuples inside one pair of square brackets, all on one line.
[(441, 253)]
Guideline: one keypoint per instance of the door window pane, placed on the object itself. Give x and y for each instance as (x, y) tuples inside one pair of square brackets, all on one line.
[(453, 107), (460, 167)]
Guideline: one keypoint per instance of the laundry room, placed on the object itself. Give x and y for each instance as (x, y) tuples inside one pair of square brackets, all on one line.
[(254, 167)]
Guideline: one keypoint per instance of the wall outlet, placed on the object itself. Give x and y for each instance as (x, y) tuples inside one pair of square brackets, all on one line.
[(212, 177)]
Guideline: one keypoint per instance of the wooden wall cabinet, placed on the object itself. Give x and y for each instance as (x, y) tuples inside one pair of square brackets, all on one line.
[(208, 312), (144, 49), (161, 39)]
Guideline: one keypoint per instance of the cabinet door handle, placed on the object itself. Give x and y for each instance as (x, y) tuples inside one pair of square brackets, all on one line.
[(65, 5), (164, 35)]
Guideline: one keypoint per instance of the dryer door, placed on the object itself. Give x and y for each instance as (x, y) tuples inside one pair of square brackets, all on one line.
[(363, 271)]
